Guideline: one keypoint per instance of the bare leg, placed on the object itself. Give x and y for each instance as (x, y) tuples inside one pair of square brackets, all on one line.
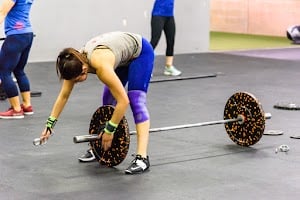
[(142, 138), (26, 98), (15, 103), (169, 61)]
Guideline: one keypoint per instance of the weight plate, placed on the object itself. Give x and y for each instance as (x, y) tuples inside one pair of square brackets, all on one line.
[(120, 144), (252, 128)]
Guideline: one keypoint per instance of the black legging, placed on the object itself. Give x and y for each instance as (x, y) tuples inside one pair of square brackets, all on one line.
[(159, 23)]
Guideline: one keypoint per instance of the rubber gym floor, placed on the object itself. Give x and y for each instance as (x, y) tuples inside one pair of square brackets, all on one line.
[(191, 163)]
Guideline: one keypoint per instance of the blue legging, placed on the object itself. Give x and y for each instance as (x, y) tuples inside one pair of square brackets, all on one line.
[(137, 74), (13, 59)]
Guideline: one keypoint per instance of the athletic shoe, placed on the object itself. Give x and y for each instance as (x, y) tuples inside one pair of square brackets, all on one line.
[(88, 157), (27, 110), (12, 114), (138, 165), (171, 71)]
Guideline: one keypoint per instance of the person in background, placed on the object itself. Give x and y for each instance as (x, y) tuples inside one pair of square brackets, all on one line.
[(14, 55), (162, 19), (118, 59), (2, 93)]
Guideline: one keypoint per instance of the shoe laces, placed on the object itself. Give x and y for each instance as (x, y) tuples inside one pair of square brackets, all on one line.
[(136, 157)]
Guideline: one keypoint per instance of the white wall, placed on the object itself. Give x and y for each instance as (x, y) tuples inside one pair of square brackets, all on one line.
[(70, 23)]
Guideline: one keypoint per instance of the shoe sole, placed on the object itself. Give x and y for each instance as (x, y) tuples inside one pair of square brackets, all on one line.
[(87, 160), (133, 173), (12, 117), (169, 74), (28, 113)]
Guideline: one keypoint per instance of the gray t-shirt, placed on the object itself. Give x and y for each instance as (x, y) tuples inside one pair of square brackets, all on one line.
[(125, 46)]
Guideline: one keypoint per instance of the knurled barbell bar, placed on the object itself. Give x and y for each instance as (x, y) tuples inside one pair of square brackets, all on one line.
[(244, 120)]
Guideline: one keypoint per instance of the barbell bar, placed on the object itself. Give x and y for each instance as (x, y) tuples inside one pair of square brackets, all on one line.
[(181, 78), (240, 119)]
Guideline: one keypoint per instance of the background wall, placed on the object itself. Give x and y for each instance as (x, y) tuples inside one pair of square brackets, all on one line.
[(70, 23), (259, 17)]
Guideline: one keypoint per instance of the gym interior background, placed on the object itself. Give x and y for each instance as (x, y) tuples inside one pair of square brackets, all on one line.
[(59, 24), (198, 163), (71, 23), (256, 17)]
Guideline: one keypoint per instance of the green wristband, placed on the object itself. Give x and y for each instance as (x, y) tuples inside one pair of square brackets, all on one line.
[(110, 127), (51, 121)]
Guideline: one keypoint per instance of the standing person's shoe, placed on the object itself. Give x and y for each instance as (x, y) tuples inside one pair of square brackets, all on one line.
[(12, 114), (171, 71), (27, 110), (88, 157), (138, 165)]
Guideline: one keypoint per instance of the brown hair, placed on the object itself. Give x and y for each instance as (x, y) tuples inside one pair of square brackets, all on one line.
[(69, 63)]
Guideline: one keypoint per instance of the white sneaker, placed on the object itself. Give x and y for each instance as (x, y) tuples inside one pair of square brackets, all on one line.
[(171, 71), (138, 165), (88, 157)]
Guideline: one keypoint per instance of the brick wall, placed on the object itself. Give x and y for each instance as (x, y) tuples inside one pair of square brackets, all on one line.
[(259, 17)]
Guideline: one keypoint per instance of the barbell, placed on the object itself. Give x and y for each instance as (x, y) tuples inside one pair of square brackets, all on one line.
[(244, 120)]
